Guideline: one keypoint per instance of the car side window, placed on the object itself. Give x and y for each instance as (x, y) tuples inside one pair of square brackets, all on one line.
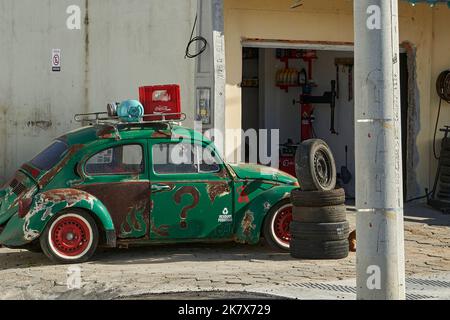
[(121, 160), (183, 158)]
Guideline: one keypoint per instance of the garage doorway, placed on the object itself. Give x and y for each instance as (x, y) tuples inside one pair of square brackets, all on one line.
[(273, 79)]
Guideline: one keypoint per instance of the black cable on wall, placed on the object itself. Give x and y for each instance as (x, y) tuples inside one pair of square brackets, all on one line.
[(194, 40)]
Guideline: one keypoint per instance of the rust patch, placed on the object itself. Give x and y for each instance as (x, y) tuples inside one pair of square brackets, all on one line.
[(216, 190), (120, 197), (196, 199), (106, 132), (67, 195), (247, 223), (162, 134), (162, 231), (132, 223), (223, 174)]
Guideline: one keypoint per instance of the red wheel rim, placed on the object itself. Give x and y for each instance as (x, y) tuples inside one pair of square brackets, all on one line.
[(282, 224), (71, 236)]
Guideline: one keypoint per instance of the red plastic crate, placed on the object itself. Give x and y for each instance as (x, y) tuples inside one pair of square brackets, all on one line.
[(161, 100)]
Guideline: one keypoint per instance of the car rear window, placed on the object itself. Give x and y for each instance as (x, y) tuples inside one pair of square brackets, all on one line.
[(48, 158)]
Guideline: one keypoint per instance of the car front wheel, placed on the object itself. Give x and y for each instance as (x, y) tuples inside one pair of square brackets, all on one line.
[(70, 237), (276, 229)]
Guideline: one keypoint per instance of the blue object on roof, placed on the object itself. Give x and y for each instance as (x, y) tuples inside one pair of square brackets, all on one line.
[(130, 111)]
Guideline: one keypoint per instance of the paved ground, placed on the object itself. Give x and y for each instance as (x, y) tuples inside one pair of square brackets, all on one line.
[(148, 272)]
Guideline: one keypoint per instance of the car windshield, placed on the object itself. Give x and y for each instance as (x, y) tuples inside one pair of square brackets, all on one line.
[(48, 158)]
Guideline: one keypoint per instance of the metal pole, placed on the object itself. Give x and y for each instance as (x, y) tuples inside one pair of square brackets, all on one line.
[(380, 257)]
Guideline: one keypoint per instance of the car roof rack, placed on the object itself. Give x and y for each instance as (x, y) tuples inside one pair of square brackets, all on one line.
[(104, 119)]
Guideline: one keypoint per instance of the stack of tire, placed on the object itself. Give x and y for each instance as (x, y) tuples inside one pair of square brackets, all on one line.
[(320, 229), (444, 181)]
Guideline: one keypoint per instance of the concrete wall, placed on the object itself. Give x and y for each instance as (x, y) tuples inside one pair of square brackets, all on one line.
[(278, 111), (423, 27), (125, 44)]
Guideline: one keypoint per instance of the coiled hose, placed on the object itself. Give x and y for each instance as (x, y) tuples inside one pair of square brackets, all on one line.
[(443, 91)]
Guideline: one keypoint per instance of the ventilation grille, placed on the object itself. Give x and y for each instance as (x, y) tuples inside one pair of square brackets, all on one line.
[(17, 187), (352, 290)]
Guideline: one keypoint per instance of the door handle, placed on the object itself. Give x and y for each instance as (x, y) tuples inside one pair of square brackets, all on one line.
[(160, 187)]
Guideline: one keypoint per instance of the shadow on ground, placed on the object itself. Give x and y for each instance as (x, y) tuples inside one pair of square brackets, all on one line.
[(192, 252), (424, 214), (155, 254)]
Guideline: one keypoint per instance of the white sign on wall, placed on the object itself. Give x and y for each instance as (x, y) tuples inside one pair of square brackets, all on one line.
[(56, 60)]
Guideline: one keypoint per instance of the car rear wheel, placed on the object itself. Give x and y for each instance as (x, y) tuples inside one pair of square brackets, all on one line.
[(276, 229), (34, 247), (70, 237)]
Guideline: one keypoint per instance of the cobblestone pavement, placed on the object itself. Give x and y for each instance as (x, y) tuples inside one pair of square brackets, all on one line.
[(225, 267)]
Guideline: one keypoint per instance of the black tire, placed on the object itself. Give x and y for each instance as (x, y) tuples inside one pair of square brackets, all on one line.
[(444, 196), (445, 154), (320, 231), (444, 187), (445, 162), (58, 257), (330, 214), (315, 166), (445, 179), (318, 198), (446, 144), (268, 231), (34, 247), (445, 170), (319, 250)]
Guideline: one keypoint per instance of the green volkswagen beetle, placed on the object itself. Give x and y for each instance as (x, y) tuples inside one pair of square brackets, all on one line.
[(121, 185)]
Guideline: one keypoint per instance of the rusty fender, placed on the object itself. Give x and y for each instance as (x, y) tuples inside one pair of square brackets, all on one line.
[(47, 204), (250, 219)]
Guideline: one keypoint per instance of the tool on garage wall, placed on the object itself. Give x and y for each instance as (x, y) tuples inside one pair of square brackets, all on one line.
[(345, 63), (328, 97)]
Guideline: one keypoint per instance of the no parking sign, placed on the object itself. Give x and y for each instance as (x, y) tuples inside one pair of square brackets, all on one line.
[(56, 60)]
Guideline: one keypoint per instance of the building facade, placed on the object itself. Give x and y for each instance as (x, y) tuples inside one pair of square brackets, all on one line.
[(122, 45)]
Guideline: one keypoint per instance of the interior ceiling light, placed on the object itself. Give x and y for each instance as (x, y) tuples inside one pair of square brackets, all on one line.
[(296, 4)]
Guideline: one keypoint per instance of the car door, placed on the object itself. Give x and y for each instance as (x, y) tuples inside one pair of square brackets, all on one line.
[(117, 174), (191, 192)]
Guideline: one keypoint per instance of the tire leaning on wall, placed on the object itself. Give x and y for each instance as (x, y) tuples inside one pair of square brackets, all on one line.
[(315, 166)]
